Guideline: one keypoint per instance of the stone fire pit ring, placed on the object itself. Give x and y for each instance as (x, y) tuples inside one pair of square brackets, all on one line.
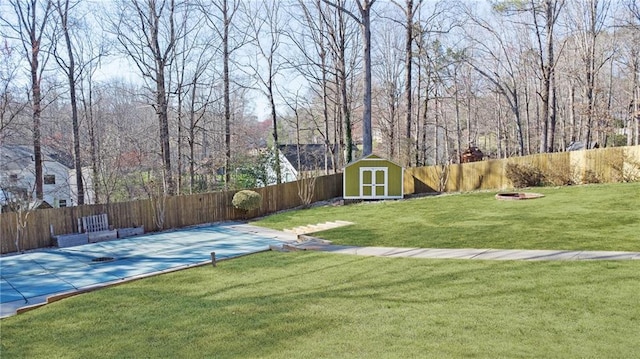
[(514, 196)]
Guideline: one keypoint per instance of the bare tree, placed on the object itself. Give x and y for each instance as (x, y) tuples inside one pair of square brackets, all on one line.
[(227, 16), (147, 33), (93, 50), (544, 17), (31, 21), (425, 84), (21, 205), (314, 63), (364, 19), (195, 53), (410, 9), (433, 21), (267, 25), (68, 66), (200, 99), (11, 105), (126, 144), (157, 199), (338, 34), (221, 19), (634, 65), (498, 61), (453, 75), (551, 10), (322, 37), (588, 19), (388, 89)]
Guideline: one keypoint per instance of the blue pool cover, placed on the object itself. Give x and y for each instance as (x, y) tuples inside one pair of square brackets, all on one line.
[(29, 278)]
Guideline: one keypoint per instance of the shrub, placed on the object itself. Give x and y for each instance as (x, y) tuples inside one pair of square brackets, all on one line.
[(306, 184), (524, 175), (247, 200), (590, 176), (559, 174)]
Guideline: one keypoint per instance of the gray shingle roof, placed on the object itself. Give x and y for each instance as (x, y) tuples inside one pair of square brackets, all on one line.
[(18, 157), (312, 156)]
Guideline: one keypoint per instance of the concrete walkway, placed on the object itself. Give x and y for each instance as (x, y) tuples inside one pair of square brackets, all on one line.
[(482, 254)]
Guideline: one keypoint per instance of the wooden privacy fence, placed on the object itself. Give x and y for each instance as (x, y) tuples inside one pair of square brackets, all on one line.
[(179, 211), (613, 164), (608, 165)]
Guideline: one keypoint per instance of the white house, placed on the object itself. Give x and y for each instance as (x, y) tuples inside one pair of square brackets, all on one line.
[(17, 177), (297, 159)]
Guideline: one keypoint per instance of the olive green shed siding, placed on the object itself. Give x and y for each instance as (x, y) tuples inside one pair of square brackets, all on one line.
[(373, 177)]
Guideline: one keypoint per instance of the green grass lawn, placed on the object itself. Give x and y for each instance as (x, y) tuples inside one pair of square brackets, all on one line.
[(319, 305), (593, 217)]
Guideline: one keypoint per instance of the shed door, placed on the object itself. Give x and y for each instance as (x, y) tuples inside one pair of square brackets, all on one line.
[(373, 182)]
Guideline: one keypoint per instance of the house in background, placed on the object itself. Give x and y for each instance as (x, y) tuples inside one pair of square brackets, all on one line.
[(300, 160), (17, 177), (579, 145)]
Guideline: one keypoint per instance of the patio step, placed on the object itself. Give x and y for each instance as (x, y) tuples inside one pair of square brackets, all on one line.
[(312, 228)]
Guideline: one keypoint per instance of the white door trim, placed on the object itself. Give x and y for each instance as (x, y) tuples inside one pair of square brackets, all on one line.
[(374, 185)]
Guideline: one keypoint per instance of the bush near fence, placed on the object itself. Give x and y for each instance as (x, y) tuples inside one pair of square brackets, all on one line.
[(607, 165)]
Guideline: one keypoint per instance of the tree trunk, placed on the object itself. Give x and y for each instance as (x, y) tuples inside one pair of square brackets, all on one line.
[(30, 31), (276, 143), (551, 10), (544, 121), (364, 7), (572, 114), (192, 136), (328, 150), (87, 105), (457, 114), (635, 106), (37, 110), (590, 36), (71, 71), (365, 11), (161, 99), (163, 118), (408, 75), (436, 138), (527, 108), (344, 99), (553, 114), (518, 121), (499, 126), (227, 96)]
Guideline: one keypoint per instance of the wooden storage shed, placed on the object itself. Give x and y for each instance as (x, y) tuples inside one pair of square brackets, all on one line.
[(373, 177)]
